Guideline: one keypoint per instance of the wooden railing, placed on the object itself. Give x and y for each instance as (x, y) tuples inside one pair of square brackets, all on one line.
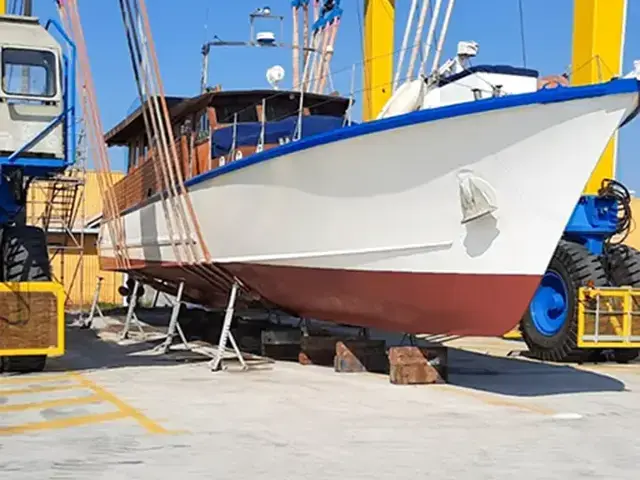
[(140, 183)]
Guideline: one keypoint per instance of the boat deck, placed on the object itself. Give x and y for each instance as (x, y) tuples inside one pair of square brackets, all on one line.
[(107, 410)]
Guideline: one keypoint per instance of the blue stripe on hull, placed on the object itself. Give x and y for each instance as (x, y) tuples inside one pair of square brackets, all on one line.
[(543, 96)]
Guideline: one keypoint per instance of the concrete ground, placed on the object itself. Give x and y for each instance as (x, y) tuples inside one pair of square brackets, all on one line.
[(106, 410)]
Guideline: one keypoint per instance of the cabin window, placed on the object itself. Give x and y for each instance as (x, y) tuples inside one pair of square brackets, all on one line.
[(246, 113), (30, 73), (203, 127), (135, 152), (278, 110), (332, 109)]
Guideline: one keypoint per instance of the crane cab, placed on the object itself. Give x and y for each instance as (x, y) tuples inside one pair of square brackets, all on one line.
[(33, 117)]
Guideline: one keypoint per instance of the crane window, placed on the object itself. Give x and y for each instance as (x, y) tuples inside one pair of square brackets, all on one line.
[(30, 73)]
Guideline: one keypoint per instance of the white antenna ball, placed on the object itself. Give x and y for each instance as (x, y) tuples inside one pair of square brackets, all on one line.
[(275, 75)]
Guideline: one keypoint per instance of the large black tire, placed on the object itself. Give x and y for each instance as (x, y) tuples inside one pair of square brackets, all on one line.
[(25, 259), (624, 271), (576, 266)]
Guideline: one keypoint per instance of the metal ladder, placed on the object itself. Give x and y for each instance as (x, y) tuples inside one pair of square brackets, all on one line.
[(62, 205)]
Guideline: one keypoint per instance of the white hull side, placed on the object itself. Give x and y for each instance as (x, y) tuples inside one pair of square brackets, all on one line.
[(389, 201)]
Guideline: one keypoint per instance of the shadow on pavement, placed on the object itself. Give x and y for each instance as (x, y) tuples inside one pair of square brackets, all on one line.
[(493, 374), (525, 378)]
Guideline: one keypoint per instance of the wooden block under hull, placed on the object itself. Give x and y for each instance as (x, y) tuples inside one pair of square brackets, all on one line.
[(361, 355), (318, 350), (418, 365)]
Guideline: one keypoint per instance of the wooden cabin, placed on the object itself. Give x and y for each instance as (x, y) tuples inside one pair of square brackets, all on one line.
[(195, 121)]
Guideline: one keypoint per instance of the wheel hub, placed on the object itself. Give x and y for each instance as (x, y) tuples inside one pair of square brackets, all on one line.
[(548, 308)]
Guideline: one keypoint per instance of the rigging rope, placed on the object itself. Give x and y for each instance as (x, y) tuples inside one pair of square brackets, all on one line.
[(68, 11), (305, 30), (327, 28), (165, 152), (298, 6), (326, 57), (444, 28), (418, 36), (522, 40), (405, 41), (310, 61), (160, 135), (317, 59), (161, 177), (296, 46), (430, 34)]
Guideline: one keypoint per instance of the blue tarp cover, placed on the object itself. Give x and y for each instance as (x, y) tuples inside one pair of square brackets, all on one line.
[(275, 132)]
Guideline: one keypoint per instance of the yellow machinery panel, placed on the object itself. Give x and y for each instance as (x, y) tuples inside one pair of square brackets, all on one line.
[(3, 7), (32, 318), (598, 44), (379, 20), (609, 317)]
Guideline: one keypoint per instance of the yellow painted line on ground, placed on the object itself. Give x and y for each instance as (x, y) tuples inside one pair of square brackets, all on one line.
[(61, 402), (125, 409), (62, 423), (43, 389), (500, 402), (33, 379)]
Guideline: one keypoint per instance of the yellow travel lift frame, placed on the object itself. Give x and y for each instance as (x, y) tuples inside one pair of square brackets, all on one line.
[(606, 316)]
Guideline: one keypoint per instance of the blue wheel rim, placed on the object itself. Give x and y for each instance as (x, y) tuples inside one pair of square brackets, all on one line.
[(549, 307)]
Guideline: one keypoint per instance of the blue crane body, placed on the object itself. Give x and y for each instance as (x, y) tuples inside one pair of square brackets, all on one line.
[(589, 254), (37, 141), (19, 164)]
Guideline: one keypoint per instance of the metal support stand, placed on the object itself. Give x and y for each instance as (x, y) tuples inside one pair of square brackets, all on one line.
[(227, 335), (131, 314), (95, 308), (174, 325)]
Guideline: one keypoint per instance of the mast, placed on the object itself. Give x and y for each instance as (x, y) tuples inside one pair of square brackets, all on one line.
[(262, 39), (379, 21)]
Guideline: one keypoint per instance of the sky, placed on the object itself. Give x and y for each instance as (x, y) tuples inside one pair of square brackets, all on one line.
[(180, 28)]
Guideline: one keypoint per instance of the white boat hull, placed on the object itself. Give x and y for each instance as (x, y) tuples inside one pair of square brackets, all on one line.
[(367, 228)]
